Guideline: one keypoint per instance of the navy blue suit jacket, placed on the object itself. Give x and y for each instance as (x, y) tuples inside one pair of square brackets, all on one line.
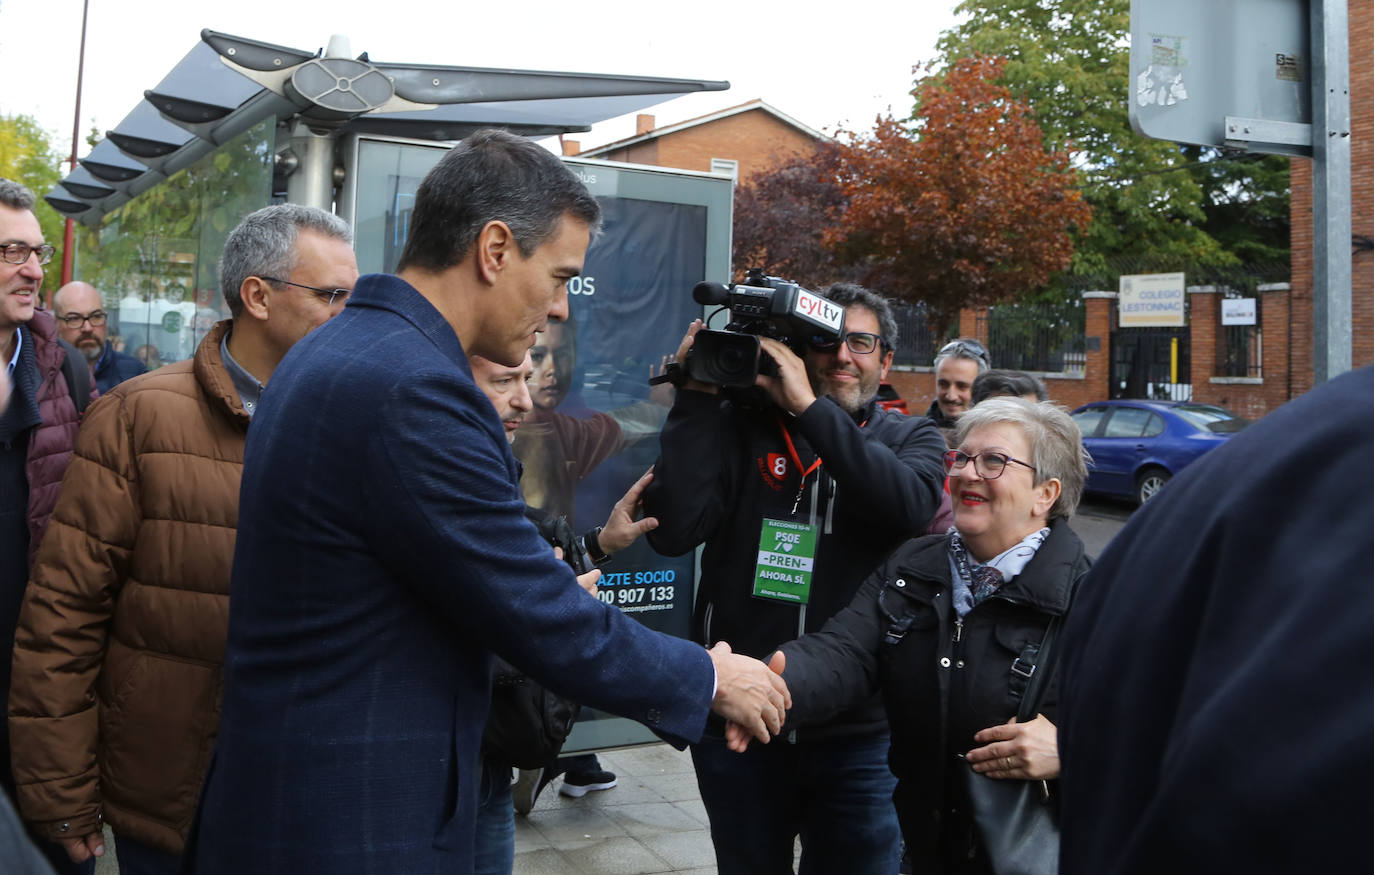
[(113, 368), (1218, 704), (383, 556)]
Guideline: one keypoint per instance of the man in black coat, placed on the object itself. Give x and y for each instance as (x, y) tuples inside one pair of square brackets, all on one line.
[(830, 484), (1218, 706)]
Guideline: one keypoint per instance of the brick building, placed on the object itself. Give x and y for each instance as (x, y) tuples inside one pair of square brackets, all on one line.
[(1361, 18), (740, 140)]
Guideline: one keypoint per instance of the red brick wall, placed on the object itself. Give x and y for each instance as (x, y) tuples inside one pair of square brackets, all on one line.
[(1299, 329), (1361, 16), (1202, 342), (1251, 400), (756, 139), (1362, 179), (1275, 322)]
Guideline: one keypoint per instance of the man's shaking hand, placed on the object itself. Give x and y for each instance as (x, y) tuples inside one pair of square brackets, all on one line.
[(737, 737), (748, 695)]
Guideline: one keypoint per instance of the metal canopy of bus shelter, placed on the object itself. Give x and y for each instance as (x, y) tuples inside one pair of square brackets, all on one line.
[(227, 84)]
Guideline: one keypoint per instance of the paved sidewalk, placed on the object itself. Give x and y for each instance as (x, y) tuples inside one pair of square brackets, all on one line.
[(653, 821)]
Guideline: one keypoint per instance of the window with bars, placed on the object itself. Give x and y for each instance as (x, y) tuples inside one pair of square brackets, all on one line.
[(1240, 348)]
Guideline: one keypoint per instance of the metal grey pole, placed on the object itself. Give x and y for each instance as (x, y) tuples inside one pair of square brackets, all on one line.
[(312, 183), (1331, 222)]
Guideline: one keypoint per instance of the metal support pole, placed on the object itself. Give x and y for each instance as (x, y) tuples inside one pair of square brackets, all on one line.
[(69, 226), (1331, 222), (312, 183)]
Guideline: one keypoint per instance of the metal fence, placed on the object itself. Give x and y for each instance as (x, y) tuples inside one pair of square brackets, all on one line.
[(915, 342), (1044, 337)]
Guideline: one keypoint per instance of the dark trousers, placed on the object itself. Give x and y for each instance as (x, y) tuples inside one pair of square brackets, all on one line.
[(494, 847), (136, 858), (835, 794)]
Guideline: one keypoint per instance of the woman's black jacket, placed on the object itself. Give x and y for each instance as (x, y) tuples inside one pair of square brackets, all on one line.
[(942, 679)]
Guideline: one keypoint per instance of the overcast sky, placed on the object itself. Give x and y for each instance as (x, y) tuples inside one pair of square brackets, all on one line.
[(826, 64)]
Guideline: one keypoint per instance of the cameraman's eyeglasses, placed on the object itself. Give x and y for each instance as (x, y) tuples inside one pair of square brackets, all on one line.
[(966, 349), (861, 342), (74, 320), (988, 465), (329, 296), (18, 253)]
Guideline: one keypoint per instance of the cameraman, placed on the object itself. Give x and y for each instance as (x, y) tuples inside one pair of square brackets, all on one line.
[(824, 458)]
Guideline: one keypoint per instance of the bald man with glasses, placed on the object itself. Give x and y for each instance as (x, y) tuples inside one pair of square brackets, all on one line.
[(83, 322)]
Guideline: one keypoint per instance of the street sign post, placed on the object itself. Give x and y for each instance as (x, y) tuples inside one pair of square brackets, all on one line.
[(1267, 76)]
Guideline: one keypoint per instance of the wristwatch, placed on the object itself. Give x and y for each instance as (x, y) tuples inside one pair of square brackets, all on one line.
[(589, 540)]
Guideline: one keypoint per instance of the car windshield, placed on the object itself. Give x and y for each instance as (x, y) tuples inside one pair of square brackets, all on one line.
[(1209, 417)]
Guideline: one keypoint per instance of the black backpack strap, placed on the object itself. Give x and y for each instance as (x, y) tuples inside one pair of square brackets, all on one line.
[(78, 376)]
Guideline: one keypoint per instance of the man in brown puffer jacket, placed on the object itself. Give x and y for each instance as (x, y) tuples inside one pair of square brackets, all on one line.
[(114, 704)]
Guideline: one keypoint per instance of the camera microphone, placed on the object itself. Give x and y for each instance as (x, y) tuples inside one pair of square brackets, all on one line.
[(708, 293)]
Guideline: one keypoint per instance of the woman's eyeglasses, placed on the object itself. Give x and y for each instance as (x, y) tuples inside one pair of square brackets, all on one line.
[(989, 465)]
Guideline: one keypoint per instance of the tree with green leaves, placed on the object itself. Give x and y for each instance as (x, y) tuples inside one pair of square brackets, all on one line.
[(29, 154), (1153, 203)]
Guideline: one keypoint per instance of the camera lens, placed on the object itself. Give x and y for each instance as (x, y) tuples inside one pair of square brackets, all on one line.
[(725, 358)]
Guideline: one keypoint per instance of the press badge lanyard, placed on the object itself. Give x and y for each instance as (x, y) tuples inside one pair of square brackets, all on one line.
[(796, 460), (787, 548)]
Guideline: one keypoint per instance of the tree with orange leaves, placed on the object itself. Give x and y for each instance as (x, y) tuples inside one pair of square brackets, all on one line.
[(964, 206)]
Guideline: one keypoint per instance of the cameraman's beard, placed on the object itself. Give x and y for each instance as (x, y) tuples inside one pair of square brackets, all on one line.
[(92, 350), (852, 397)]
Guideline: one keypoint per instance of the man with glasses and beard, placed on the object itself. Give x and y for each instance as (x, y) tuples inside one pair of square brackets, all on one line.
[(836, 482), (83, 322)]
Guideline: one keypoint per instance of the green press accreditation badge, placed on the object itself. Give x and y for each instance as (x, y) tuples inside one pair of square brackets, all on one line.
[(787, 551)]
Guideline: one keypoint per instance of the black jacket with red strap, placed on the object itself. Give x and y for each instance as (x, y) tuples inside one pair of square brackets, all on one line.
[(724, 468)]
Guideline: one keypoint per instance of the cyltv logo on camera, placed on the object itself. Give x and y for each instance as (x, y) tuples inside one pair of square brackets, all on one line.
[(814, 308)]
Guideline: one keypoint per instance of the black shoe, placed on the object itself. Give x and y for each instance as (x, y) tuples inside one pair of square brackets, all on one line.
[(579, 784), (527, 788)]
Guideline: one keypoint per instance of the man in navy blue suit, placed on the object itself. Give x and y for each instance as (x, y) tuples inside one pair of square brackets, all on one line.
[(383, 554), (1218, 706)]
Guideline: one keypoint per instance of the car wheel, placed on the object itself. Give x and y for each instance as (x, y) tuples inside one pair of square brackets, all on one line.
[(1148, 484)]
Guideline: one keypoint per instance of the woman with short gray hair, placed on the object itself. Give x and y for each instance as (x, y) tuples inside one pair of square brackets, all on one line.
[(950, 628)]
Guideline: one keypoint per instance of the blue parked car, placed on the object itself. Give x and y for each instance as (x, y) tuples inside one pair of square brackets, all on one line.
[(1137, 446)]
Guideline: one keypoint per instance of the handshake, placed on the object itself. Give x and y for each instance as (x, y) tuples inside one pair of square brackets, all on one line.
[(750, 695)]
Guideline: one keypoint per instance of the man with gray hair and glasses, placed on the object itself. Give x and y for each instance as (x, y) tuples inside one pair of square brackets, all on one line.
[(114, 706), (957, 365)]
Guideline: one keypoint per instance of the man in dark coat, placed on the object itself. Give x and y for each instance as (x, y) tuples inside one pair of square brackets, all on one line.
[(83, 322), (37, 431), (1218, 707), (821, 480), (383, 554)]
